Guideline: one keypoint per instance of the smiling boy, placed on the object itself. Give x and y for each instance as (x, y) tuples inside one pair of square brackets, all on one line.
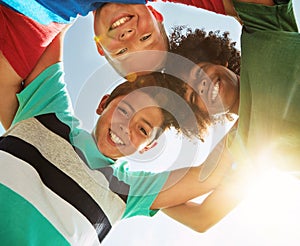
[(266, 95), (124, 28)]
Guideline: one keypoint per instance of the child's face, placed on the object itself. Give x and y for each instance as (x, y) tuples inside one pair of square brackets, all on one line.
[(216, 88), (122, 29), (127, 124)]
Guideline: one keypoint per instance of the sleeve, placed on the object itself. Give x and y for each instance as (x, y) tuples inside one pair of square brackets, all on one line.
[(46, 94), (216, 6), (36, 11), (143, 190), (23, 40), (279, 17)]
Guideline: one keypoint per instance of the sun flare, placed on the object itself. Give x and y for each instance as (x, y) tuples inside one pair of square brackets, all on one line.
[(272, 208)]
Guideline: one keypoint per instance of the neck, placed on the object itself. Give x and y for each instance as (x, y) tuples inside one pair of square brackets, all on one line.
[(235, 107)]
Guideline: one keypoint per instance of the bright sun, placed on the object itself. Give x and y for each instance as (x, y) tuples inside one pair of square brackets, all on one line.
[(271, 212)]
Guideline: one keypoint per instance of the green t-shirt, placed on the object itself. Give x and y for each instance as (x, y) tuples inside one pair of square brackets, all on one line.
[(48, 94), (144, 187), (269, 131)]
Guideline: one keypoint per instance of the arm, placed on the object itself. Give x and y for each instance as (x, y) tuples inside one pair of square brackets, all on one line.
[(210, 5), (10, 84), (24, 42), (220, 202), (224, 7), (184, 184), (51, 55), (226, 188)]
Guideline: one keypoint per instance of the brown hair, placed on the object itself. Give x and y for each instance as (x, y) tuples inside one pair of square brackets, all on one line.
[(168, 91)]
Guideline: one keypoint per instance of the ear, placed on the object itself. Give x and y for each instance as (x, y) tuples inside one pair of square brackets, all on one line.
[(148, 147), (102, 104), (100, 49), (158, 16)]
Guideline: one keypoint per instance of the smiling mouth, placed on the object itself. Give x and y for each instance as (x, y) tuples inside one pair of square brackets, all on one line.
[(215, 91), (120, 22), (115, 139)]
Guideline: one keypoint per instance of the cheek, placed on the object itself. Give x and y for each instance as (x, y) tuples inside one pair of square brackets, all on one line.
[(136, 139), (148, 23), (147, 26), (98, 27), (203, 104), (109, 44), (103, 124)]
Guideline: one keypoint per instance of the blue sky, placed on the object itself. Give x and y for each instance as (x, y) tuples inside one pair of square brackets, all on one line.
[(265, 218)]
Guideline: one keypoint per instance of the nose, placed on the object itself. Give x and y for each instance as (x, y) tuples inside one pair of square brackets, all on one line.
[(124, 128), (127, 33), (202, 87)]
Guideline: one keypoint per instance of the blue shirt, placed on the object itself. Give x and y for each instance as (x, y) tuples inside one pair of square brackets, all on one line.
[(46, 11)]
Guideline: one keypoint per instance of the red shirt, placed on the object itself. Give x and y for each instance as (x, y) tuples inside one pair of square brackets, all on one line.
[(216, 6), (22, 40)]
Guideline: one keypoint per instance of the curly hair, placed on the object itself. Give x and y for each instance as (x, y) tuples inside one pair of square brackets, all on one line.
[(190, 47), (200, 46)]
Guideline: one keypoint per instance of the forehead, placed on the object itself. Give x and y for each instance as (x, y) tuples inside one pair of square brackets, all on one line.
[(139, 61), (139, 100), (142, 106)]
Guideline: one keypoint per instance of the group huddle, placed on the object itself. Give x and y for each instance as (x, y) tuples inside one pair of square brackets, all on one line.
[(62, 185)]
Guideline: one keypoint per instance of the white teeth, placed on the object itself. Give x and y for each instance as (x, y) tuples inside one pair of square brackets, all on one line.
[(115, 138), (215, 91), (120, 22)]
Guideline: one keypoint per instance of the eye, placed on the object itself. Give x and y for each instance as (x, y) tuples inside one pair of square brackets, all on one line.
[(123, 111), (144, 38), (122, 51), (193, 98), (196, 73), (144, 132)]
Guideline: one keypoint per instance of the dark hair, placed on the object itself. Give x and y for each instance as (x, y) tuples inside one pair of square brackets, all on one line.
[(188, 48), (168, 92), (200, 46)]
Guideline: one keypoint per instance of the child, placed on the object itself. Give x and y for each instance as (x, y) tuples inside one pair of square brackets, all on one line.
[(267, 134), (141, 29), (280, 135)]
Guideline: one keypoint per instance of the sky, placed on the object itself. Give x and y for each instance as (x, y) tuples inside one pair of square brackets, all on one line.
[(268, 216)]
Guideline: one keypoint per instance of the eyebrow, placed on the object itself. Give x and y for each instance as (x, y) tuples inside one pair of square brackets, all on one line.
[(129, 105), (123, 57), (134, 111), (148, 123), (150, 45)]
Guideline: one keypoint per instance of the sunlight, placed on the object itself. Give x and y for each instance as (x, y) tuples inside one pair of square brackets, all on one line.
[(272, 207)]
